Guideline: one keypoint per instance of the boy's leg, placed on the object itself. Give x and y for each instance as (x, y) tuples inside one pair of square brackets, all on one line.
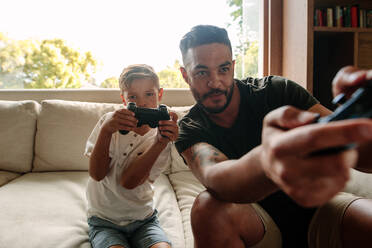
[(150, 234), (103, 233), (345, 221), (221, 224)]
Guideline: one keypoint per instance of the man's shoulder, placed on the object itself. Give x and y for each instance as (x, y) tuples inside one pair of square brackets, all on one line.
[(263, 82)]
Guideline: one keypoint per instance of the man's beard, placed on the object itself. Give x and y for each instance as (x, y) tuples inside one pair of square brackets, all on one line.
[(199, 99)]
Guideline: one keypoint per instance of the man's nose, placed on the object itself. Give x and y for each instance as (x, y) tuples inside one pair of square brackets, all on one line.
[(214, 81)]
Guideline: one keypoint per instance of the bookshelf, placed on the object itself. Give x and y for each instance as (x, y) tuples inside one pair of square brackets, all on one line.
[(312, 55)]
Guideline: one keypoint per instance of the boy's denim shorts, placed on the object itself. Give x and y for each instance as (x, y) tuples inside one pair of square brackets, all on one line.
[(138, 234)]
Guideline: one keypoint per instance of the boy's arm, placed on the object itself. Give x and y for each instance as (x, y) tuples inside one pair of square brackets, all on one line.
[(139, 169), (99, 161)]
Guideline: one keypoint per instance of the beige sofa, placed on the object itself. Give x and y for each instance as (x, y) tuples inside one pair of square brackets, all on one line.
[(43, 173)]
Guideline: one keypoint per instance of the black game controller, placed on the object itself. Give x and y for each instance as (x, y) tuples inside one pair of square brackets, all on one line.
[(149, 116), (358, 106)]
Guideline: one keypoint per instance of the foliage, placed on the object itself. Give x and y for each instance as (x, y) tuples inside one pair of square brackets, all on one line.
[(171, 77), (246, 62), (249, 60), (43, 64), (237, 13), (111, 82)]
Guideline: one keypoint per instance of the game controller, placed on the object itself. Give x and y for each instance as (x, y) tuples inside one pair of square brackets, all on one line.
[(149, 116), (358, 106)]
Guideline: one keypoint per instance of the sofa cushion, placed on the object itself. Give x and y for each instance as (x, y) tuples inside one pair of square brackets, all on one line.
[(17, 132), (187, 187), (62, 131), (178, 163), (6, 176), (49, 210), (170, 218), (360, 184)]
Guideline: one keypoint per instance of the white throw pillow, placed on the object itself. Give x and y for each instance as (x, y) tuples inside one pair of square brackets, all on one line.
[(63, 129), (17, 133)]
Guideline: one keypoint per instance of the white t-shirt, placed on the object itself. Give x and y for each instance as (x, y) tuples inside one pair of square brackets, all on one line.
[(109, 200)]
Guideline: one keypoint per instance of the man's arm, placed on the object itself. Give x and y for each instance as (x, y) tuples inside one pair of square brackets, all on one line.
[(240, 181)]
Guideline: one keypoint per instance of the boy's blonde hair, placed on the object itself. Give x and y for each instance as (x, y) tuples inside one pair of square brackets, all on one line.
[(137, 71)]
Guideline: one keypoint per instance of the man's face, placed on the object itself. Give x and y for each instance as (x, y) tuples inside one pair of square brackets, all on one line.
[(209, 71)]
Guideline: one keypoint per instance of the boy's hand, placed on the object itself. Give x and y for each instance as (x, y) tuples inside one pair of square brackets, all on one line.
[(121, 119), (168, 130)]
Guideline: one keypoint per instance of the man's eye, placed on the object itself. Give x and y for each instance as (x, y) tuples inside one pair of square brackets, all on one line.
[(201, 73), (225, 69)]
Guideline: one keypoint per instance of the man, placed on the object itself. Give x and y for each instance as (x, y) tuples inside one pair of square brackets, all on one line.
[(263, 179)]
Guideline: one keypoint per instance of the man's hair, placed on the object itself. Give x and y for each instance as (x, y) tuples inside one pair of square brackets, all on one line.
[(202, 35), (137, 71)]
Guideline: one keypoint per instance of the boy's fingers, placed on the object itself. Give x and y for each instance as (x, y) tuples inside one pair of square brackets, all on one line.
[(173, 116)]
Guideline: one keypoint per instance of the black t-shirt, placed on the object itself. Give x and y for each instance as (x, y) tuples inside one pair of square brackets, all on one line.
[(258, 97)]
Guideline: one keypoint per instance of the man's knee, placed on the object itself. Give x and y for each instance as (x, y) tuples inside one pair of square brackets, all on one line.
[(205, 206)]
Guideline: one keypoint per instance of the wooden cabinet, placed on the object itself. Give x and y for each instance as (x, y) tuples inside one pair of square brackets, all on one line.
[(313, 55)]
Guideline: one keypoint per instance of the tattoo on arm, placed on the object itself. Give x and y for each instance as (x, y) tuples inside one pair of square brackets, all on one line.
[(206, 155)]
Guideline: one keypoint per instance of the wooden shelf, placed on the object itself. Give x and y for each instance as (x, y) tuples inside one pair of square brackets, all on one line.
[(313, 55)]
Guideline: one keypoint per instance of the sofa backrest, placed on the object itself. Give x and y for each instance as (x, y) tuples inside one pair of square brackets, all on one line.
[(17, 132), (63, 128)]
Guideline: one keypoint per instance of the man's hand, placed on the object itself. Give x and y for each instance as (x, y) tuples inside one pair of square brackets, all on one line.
[(346, 81), (168, 130), (121, 119), (288, 160)]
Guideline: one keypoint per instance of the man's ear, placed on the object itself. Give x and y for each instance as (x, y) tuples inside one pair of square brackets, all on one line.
[(184, 74), (123, 99), (160, 94)]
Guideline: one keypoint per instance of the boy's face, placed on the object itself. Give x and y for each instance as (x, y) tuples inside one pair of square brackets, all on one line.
[(144, 93)]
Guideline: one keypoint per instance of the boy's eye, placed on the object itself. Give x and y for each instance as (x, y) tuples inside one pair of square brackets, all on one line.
[(150, 94), (132, 97)]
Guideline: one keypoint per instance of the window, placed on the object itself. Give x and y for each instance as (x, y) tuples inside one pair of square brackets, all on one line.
[(86, 44)]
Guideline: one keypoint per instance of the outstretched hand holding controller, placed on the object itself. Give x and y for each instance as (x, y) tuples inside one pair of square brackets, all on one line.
[(290, 145), (358, 106)]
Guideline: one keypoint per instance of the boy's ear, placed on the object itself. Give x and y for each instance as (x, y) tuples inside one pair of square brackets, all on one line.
[(160, 94), (122, 98)]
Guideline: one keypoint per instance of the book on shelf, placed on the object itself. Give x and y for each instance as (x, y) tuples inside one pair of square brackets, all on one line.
[(343, 16), (354, 16), (347, 17), (329, 17), (369, 18), (362, 18), (339, 16)]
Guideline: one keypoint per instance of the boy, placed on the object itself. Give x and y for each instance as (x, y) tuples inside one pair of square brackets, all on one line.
[(123, 167)]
